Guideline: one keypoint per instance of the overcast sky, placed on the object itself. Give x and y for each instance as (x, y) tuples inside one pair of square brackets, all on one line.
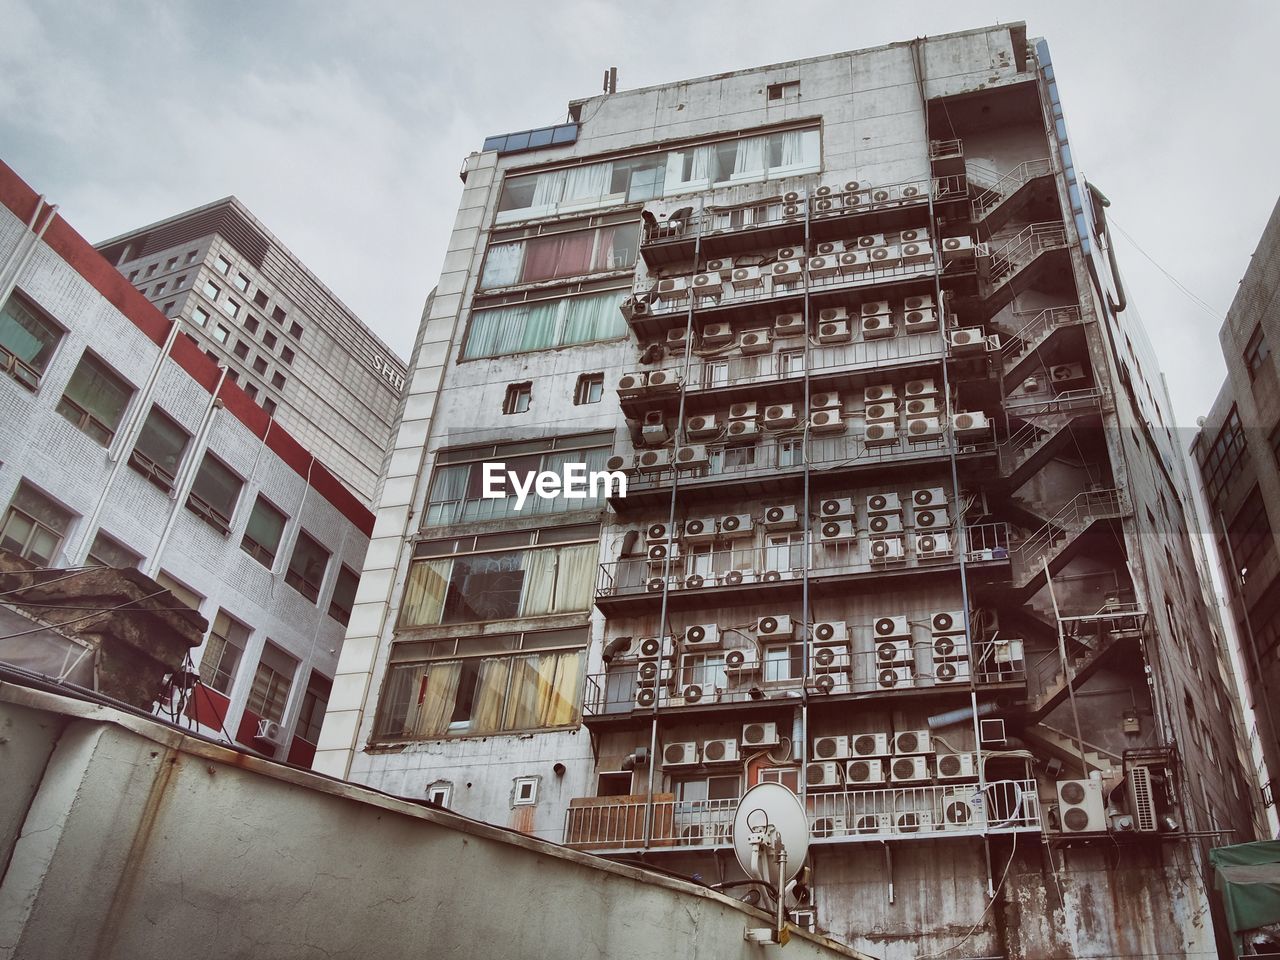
[(343, 125)]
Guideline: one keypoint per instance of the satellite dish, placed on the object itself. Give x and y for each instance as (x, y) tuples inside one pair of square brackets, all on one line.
[(771, 805)]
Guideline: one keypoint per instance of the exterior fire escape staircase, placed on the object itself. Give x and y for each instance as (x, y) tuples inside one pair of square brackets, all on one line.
[(1019, 347), (1057, 541), (1045, 430), (995, 189), (1017, 255)]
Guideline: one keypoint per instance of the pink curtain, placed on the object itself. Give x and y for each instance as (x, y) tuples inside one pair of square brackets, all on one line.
[(566, 255)]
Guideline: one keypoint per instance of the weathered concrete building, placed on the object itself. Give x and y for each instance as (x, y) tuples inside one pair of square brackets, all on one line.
[(1238, 453), (284, 336), (905, 527), (124, 446)]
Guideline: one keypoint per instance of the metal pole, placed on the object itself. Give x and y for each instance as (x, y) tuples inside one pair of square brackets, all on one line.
[(1067, 673)]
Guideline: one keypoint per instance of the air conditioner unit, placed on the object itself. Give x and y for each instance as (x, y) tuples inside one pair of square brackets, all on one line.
[(679, 754), (908, 769), (653, 648), (879, 393), (618, 463), (888, 627), (781, 517), (922, 407), (880, 435), (908, 742), (834, 331), (774, 576), (889, 652), (918, 190), (913, 821), (873, 823), (951, 671), (825, 401), (745, 410), (888, 255), (745, 278), (788, 325), (653, 461), (717, 335), (1067, 373), (961, 809), (967, 340), (827, 266), (672, 288), (919, 321), (756, 341), (823, 827), (833, 508), (924, 428), (970, 424), (874, 308), (700, 530), (957, 248), (947, 621), (877, 328), (632, 384), (832, 314), (736, 525), (826, 421), (827, 248), (703, 426), (823, 774), (916, 251), (646, 697), (868, 240), (692, 456), (933, 545), (657, 584), (649, 672), (760, 735), (885, 502), (696, 581), (657, 553), (828, 206), (949, 646), (270, 732), (829, 632), (889, 678), (700, 636), (654, 431), (720, 751), (831, 748), (742, 432), (870, 745), (742, 660), (882, 523), (665, 380), (1142, 800), (787, 271), (657, 532), (781, 415), (837, 531), (932, 518), (854, 261), (885, 410), (719, 265), (1080, 806), (789, 253), (921, 389), (779, 625), (859, 772), (920, 234), (955, 766), (706, 284), (676, 340)]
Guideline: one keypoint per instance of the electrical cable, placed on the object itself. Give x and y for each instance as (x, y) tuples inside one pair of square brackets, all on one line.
[(1216, 314), (974, 929), (43, 583), (67, 623)]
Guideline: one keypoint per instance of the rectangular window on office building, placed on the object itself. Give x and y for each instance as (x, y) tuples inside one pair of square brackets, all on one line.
[(27, 341), (95, 399), (106, 552), (185, 595), (222, 652), (314, 702), (525, 327), (271, 683), (307, 566), (214, 493), (262, 536), (34, 526), (344, 595), (159, 449)]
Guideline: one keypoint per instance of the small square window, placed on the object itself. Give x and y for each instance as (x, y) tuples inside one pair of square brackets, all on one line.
[(191, 256), (526, 792), (221, 333), (241, 349), (1256, 351), (277, 380), (259, 365), (269, 339), (133, 275), (590, 388), (223, 265), (260, 299), (277, 315), (159, 289), (518, 398), (168, 308), (231, 308), (242, 283), (783, 91), (151, 269), (439, 794), (211, 355), (233, 375), (295, 330), (251, 390), (269, 405), (211, 290), (251, 323), (171, 263), (287, 355)]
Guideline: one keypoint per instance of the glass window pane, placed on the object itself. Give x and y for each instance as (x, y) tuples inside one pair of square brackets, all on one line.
[(26, 335), (262, 536), (344, 595), (106, 552), (307, 566), (95, 399), (161, 443)]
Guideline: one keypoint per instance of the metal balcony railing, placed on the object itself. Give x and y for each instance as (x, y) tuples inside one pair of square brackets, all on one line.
[(1007, 184), (702, 677), (1064, 525), (945, 149), (903, 811), (1032, 241), (1068, 401)]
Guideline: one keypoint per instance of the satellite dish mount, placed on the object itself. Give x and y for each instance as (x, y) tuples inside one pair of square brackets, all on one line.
[(771, 842)]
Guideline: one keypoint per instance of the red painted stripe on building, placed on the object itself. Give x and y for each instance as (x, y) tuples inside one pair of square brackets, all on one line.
[(18, 196)]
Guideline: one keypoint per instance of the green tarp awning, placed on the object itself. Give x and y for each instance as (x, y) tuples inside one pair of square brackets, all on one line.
[(1248, 877)]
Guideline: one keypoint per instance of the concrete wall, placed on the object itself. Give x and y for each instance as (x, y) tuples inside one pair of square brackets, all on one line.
[(109, 862)]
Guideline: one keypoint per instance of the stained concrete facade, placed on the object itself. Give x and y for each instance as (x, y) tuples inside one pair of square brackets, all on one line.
[(290, 342), (1238, 453), (1085, 626)]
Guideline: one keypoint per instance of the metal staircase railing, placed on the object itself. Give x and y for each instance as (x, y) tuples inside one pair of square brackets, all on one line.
[(1031, 333), (1026, 246), (1006, 185), (1063, 526)]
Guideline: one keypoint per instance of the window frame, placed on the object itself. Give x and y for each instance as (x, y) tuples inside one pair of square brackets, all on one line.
[(29, 373), (259, 550), (14, 509), (226, 640), (207, 511), (85, 418), (518, 398), (144, 463), (589, 389), (297, 579)]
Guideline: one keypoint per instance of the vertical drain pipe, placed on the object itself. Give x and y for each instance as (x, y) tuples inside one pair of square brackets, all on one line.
[(671, 531), (26, 247), (802, 753)]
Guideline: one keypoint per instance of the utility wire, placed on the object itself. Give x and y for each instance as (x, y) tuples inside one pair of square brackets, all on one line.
[(89, 616), (1216, 314)]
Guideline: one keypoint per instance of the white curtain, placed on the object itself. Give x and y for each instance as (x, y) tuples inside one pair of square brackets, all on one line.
[(792, 152), (496, 332), (576, 578), (438, 690), (702, 157), (502, 265), (548, 189), (448, 489), (749, 157), (587, 183), (539, 582)]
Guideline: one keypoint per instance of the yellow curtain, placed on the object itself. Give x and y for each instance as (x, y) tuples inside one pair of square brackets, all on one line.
[(491, 694), (575, 579), (425, 591), (562, 703), (429, 715), (544, 691), (539, 582)]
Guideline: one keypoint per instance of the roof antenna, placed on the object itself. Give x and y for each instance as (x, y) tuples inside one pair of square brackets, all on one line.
[(611, 80)]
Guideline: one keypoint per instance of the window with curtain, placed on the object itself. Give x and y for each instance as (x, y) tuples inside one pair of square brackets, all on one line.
[(271, 683), (307, 566), (159, 449), (95, 399), (481, 695), (556, 256), (222, 652), (525, 327), (27, 341)]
